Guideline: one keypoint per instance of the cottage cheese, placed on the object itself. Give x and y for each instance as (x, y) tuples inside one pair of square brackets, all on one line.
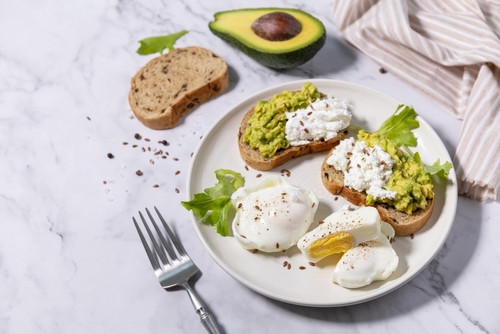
[(365, 168), (321, 120)]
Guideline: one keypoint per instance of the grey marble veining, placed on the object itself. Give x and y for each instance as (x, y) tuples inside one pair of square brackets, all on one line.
[(70, 259)]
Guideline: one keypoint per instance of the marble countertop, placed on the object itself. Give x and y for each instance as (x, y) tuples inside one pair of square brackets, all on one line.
[(70, 258)]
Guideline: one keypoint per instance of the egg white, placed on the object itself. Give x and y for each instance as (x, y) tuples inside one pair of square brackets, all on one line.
[(342, 229), (369, 261), (272, 216)]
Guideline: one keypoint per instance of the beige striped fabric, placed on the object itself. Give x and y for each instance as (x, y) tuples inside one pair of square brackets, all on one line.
[(450, 50)]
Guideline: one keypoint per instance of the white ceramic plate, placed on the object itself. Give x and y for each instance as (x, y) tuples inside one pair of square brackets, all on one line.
[(312, 286)]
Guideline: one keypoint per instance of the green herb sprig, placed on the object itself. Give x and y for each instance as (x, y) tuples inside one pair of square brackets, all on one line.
[(157, 44), (399, 129), (213, 205)]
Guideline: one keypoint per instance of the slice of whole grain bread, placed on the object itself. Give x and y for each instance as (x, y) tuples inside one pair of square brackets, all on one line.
[(172, 84)]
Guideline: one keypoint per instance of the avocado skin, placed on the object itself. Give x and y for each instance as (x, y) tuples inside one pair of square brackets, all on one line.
[(276, 60)]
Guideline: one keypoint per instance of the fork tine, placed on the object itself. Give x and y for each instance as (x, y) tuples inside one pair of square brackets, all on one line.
[(166, 245), (151, 257), (171, 235), (156, 246)]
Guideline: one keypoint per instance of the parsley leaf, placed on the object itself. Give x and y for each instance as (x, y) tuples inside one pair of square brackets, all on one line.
[(213, 205), (159, 43)]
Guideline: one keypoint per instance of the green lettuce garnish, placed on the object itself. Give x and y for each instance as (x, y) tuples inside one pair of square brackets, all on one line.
[(213, 205), (437, 168), (157, 44), (398, 128)]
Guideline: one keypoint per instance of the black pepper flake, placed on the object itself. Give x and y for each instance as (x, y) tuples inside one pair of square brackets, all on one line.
[(177, 172), (110, 155), (177, 190), (139, 172), (382, 70), (137, 136), (285, 263), (156, 186), (302, 267), (258, 175)]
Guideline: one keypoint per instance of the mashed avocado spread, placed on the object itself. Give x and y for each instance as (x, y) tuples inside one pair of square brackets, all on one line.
[(409, 179), (266, 130)]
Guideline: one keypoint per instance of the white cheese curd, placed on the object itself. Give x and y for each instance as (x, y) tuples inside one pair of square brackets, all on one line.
[(273, 215), (321, 120), (365, 168)]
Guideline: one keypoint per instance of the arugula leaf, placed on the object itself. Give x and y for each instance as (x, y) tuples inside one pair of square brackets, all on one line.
[(159, 43), (213, 205), (398, 128)]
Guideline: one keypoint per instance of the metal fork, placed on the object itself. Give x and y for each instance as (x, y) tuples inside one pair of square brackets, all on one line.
[(172, 265)]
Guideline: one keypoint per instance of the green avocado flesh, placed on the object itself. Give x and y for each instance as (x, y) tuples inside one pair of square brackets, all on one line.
[(235, 27)]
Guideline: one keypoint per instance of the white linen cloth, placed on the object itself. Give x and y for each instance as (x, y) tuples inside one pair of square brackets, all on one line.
[(451, 51)]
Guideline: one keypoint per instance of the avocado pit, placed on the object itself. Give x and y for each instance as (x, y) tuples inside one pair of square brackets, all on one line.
[(276, 26)]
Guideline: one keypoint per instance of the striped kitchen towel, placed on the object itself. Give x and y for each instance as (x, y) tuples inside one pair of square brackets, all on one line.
[(450, 50)]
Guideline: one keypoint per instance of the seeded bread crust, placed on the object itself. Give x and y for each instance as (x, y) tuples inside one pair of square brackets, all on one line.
[(253, 158), (403, 223), (172, 84)]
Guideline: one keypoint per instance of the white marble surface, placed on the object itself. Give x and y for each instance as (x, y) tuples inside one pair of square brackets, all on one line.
[(70, 259)]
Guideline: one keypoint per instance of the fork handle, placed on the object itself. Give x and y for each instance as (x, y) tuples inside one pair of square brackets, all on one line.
[(207, 319)]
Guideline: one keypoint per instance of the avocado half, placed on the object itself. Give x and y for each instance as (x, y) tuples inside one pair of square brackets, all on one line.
[(237, 28)]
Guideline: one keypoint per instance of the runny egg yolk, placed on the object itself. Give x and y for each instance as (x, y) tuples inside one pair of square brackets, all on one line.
[(335, 243)]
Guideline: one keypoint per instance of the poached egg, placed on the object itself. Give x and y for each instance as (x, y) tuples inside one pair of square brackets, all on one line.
[(369, 261), (339, 232), (272, 216)]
